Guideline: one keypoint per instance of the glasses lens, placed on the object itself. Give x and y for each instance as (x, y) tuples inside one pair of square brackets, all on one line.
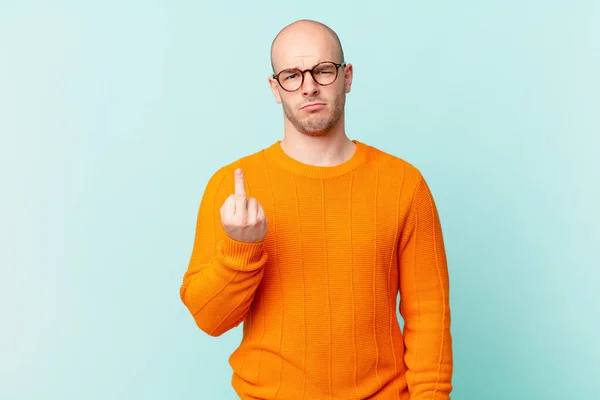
[(290, 79), (325, 73)]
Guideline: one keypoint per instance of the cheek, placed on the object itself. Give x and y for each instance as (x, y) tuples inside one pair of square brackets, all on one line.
[(287, 105), (335, 97), (288, 101), (336, 91)]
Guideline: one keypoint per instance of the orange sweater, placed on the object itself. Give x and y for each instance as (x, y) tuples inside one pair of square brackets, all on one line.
[(318, 297)]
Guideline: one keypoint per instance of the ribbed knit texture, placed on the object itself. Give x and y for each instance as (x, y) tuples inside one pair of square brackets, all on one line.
[(319, 296)]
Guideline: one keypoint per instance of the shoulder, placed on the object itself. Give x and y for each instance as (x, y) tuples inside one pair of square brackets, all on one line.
[(407, 176), (390, 164)]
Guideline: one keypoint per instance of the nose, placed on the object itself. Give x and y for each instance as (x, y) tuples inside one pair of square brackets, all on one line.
[(310, 88)]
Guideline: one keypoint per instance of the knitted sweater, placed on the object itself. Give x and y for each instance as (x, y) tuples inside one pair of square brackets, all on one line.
[(318, 297)]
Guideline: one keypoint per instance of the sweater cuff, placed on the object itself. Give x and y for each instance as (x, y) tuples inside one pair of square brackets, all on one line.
[(241, 256)]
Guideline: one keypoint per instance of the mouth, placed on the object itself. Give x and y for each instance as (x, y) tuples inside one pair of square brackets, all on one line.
[(313, 107)]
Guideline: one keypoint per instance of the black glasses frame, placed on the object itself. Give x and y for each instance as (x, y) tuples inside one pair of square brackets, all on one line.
[(311, 70)]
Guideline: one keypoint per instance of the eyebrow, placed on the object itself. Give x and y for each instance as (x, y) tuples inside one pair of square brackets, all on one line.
[(300, 69)]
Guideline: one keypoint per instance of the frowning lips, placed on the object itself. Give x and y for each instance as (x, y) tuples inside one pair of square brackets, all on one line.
[(313, 106)]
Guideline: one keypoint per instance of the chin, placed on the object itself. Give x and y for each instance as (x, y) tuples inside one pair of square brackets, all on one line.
[(316, 130), (317, 133), (313, 125)]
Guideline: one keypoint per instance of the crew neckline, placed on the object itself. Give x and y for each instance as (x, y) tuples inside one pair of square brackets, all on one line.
[(277, 154)]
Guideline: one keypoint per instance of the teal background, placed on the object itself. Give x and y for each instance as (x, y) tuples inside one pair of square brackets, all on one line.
[(113, 115)]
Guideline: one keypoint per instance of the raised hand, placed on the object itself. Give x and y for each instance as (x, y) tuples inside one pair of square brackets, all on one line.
[(243, 219)]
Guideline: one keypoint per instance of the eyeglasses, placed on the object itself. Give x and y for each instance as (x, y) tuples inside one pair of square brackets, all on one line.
[(324, 73)]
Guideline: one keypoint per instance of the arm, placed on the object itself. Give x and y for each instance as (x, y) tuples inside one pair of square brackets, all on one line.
[(424, 300), (223, 274)]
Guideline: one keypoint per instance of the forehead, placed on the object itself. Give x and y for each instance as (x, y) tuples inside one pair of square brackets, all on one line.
[(303, 49)]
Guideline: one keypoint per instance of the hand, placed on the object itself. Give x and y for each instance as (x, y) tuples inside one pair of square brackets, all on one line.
[(243, 219)]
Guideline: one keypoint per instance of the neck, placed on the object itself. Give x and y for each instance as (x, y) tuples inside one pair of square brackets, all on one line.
[(329, 149)]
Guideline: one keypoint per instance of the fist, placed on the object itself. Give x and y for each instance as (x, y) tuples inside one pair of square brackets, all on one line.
[(243, 219)]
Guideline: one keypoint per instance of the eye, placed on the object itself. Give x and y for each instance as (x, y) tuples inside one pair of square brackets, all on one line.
[(289, 74), (325, 70)]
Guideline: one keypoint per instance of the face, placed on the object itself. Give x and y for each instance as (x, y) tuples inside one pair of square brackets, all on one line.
[(313, 109)]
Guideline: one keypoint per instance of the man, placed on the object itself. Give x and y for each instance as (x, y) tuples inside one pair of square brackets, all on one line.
[(309, 241)]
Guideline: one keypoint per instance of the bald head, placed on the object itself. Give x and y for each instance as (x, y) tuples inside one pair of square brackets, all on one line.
[(305, 38)]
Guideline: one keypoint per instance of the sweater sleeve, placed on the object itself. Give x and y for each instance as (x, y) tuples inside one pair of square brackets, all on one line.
[(223, 274), (424, 300)]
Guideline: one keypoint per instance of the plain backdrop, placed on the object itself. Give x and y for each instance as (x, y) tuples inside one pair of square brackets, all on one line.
[(114, 114)]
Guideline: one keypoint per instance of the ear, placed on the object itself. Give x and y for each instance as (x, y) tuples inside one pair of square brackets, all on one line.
[(275, 89), (348, 74)]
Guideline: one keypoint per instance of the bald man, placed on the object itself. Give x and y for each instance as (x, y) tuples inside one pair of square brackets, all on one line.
[(309, 241)]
